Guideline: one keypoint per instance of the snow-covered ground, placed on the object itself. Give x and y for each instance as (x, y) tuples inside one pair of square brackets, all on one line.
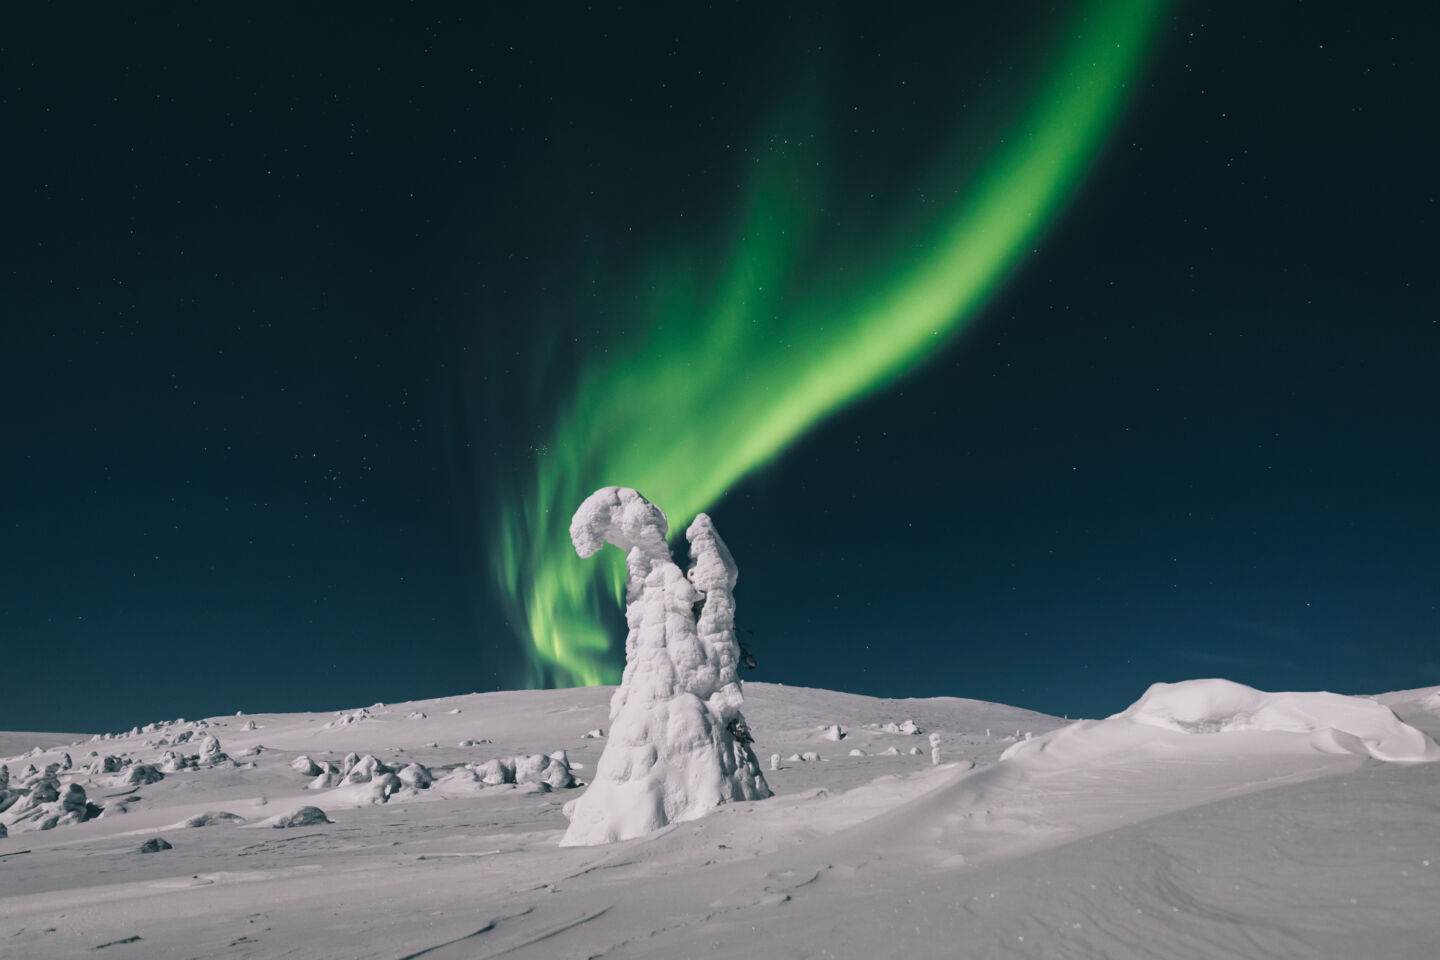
[(1203, 822)]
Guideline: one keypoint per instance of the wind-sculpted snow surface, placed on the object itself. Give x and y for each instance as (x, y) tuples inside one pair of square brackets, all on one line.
[(1336, 722), (678, 746), (1229, 719), (1116, 839)]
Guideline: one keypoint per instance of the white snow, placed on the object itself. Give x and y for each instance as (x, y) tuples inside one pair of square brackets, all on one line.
[(1335, 722), (1117, 838), (416, 776), (304, 766)]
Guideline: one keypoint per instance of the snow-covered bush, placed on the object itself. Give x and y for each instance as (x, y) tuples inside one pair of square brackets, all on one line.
[(364, 770), (415, 775), (304, 766)]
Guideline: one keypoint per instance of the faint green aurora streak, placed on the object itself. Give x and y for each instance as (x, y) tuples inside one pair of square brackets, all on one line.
[(717, 386)]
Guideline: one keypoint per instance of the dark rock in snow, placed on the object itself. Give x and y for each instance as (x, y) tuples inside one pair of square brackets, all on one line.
[(143, 773), (212, 818), (73, 800), (304, 817)]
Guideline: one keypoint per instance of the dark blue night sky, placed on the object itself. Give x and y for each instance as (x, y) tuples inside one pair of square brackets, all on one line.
[(287, 300)]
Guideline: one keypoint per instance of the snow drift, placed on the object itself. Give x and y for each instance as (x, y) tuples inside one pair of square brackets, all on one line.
[(1248, 721), (1350, 724), (1120, 838)]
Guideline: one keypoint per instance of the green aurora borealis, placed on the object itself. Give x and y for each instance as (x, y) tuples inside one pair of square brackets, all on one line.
[(709, 385)]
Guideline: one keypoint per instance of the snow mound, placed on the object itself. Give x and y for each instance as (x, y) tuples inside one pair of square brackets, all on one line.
[(304, 766), (495, 772), (1228, 722), (462, 781), (343, 719), (143, 773), (1338, 723), (364, 770), (416, 775), (909, 728), (73, 799), (45, 804), (539, 768), (376, 790), (172, 762)]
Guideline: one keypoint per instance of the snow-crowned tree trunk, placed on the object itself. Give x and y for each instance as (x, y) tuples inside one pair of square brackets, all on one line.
[(678, 744)]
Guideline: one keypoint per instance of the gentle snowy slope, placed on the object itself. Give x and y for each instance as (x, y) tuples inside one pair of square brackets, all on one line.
[(12, 744), (1114, 838)]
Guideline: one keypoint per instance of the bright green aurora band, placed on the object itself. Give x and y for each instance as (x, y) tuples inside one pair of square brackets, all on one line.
[(707, 389)]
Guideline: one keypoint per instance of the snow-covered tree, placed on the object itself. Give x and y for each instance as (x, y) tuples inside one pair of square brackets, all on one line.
[(678, 744)]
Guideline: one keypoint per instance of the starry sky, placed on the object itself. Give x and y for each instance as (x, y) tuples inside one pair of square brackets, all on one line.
[(293, 301)]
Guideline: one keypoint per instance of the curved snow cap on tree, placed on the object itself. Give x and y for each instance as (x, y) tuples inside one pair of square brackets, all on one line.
[(620, 516), (673, 753), (1351, 724)]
